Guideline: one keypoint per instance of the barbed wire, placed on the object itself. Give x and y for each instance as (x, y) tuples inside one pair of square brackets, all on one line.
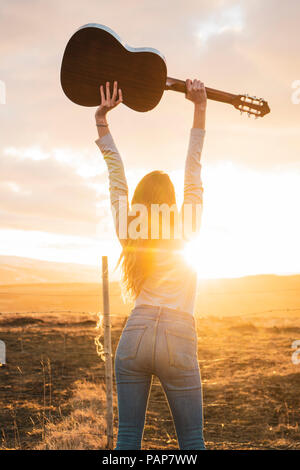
[(113, 294), (197, 314)]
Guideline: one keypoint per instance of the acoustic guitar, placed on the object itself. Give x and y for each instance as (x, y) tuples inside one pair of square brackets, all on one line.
[(95, 54)]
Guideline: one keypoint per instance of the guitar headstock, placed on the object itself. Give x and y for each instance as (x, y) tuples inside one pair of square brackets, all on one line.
[(251, 105)]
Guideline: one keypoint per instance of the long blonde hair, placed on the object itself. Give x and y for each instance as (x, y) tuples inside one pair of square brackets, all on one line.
[(138, 257)]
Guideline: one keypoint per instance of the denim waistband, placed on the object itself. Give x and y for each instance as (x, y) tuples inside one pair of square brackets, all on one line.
[(154, 311)]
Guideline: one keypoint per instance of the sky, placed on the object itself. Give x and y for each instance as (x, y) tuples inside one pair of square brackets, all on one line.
[(54, 202)]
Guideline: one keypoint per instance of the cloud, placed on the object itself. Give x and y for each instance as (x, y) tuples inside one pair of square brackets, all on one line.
[(50, 177), (48, 194), (252, 47), (229, 20)]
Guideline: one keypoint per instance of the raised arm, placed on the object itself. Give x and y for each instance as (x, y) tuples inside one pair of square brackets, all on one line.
[(193, 189), (117, 181)]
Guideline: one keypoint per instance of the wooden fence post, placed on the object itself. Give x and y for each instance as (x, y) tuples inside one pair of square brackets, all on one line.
[(107, 355), (2, 354)]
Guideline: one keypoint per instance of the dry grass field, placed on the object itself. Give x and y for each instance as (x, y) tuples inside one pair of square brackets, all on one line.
[(52, 394)]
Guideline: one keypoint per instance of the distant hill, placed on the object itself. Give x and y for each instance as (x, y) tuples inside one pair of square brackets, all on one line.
[(15, 270), (34, 285)]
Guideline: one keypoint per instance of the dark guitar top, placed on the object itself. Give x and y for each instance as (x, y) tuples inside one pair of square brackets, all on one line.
[(95, 54)]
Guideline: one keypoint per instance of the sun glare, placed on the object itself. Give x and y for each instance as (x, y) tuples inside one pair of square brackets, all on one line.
[(245, 219), (210, 258)]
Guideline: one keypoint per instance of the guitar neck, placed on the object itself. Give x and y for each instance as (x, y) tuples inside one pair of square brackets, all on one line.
[(212, 94)]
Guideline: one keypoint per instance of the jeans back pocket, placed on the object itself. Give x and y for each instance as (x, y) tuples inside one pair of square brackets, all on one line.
[(129, 342), (182, 350)]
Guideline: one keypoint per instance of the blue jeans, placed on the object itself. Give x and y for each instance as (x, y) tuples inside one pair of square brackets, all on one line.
[(163, 342)]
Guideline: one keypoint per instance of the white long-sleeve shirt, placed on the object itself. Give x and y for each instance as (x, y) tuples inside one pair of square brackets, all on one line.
[(173, 283)]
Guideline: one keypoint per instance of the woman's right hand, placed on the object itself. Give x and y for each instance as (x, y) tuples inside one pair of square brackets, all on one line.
[(195, 92), (108, 102)]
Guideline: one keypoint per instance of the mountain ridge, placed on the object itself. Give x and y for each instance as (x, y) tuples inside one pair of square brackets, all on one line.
[(18, 270)]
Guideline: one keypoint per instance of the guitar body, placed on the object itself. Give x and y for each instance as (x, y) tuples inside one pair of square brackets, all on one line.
[(95, 54)]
